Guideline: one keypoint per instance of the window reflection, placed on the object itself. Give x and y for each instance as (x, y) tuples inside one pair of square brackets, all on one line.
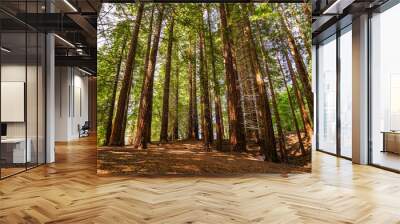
[(327, 95), (385, 89)]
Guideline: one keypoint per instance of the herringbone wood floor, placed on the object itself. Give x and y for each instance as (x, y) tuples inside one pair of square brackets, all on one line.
[(70, 192)]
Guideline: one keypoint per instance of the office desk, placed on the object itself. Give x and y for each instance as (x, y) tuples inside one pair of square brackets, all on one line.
[(13, 150), (391, 141)]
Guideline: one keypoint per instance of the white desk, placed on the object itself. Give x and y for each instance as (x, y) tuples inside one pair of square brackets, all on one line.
[(391, 141), (17, 146)]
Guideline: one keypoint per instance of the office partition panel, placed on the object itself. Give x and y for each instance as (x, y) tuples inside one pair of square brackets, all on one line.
[(15, 149), (22, 77)]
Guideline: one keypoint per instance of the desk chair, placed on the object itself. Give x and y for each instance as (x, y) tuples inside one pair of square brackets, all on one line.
[(84, 130)]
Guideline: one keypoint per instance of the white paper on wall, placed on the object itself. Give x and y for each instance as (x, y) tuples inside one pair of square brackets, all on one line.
[(12, 101)]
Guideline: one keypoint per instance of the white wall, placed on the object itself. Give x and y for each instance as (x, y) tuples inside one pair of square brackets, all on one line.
[(17, 73), (71, 102)]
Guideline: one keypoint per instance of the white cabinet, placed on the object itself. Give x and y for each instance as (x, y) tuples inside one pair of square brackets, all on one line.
[(17, 146)]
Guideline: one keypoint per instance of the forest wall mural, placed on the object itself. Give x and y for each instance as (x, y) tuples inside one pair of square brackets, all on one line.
[(204, 89)]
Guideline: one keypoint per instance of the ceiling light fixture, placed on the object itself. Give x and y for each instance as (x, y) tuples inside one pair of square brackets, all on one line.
[(70, 5), (337, 7), (5, 50), (64, 40), (84, 71)]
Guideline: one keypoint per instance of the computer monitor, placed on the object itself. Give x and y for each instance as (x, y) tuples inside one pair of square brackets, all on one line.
[(3, 129)]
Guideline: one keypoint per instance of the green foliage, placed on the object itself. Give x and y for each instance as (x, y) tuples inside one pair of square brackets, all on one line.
[(116, 28)]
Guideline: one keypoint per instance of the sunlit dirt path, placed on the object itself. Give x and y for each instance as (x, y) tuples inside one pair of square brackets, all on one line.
[(185, 158)]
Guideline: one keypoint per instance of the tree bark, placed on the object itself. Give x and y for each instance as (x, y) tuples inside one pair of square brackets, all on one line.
[(165, 108), (117, 132), (292, 109), (205, 95), (268, 143), (304, 115), (149, 37), (301, 69), (237, 136), (195, 111), (190, 134), (114, 94), (305, 21), (281, 135), (175, 131), (149, 116), (217, 98), (144, 106)]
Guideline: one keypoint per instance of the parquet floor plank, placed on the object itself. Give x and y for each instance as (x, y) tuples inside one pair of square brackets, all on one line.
[(69, 191)]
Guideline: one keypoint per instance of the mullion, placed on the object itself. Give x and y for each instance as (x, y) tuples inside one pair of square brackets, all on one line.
[(26, 86), (338, 93), (0, 97), (316, 97)]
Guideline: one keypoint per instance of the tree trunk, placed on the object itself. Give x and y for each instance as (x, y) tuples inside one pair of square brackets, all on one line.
[(165, 108), (301, 69), (149, 37), (292, 109), (190, 134), (217, 98), (175, 131), (305, 117), (307, 10), (205, 95), (114, 95), (237, 136), (144, 106), (281, 135), (281, 138), (268, 143), (202, 123), (239, 88), (304, 21), (195, 111), (117, 132), (241, 54), (149, 116)]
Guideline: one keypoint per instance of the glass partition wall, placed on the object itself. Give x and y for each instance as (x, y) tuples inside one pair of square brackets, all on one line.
[(22, 77), (334, 83), (385, 89)]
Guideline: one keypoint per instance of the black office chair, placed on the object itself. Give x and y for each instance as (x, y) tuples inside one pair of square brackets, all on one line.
[(84, 130)]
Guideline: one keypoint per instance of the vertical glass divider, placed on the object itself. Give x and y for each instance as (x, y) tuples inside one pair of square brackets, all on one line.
[(26, 86), (316, 98), (1, 158), (338, 73)]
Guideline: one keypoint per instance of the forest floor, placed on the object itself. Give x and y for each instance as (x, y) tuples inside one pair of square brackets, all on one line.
[(190, 158)]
